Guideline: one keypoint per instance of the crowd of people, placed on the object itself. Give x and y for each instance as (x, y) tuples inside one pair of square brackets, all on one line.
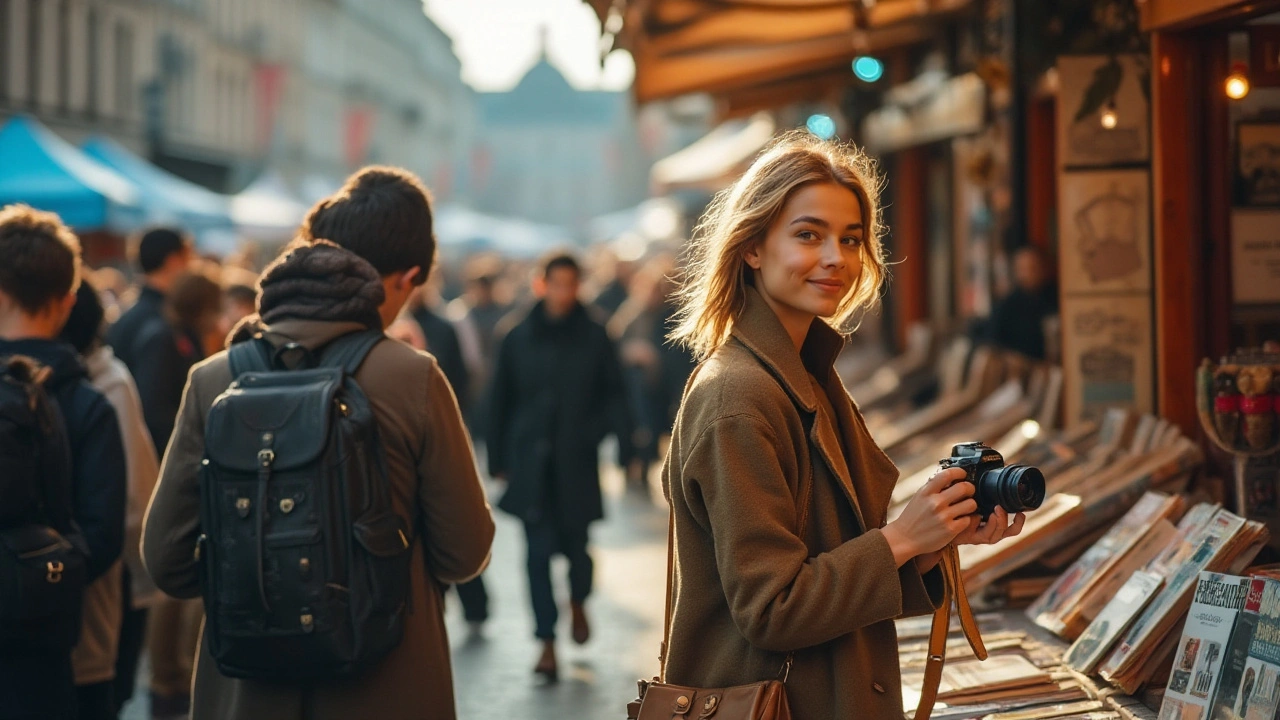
[(284, 456), (542, 360)]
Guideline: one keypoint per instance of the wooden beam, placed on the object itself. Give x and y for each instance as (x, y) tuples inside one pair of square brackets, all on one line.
[(910, 230), (1219, 166), (1178, 194), (1172, 14)]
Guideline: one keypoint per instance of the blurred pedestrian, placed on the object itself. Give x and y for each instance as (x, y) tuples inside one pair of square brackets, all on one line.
[(40, 678), (557, 392), (241, 293), (476, 315), (1017, 321), (441, 340), (615, 282), (84, 331), (143, 339), (654, 369), (194, 319)]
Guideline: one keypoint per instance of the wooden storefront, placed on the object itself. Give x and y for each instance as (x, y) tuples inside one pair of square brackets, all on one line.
[(1195, 45)]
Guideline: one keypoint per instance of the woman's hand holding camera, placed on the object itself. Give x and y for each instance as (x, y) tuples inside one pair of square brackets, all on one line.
[(996, 528), (942, 510)]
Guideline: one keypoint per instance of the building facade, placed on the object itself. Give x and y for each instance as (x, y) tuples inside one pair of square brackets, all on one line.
[(220, 90), (553, 154)]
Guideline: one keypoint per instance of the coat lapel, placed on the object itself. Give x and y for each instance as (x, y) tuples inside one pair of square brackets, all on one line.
[(867, 476)]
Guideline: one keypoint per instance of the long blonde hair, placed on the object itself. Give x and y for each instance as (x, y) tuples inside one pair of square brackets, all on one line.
[(715, 279)]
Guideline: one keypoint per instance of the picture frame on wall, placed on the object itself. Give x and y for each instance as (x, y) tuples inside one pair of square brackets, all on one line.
[(1108, 358), (1089, 86), (1104, 231), (1257, 168), (1255, 256)]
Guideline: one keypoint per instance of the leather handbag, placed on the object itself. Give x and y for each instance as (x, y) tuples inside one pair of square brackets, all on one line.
[(764, 700)]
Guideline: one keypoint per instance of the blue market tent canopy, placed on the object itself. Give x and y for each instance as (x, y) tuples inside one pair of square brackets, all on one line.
[(46, 172), (167, 197)]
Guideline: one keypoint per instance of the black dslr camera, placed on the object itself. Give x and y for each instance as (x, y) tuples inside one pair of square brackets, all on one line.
[(1012, 487)]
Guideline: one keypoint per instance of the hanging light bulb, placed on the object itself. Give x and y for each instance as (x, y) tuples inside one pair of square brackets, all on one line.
[(1109, 118), (1237, 85)]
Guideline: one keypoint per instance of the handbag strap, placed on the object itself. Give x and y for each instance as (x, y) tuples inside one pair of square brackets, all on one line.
[(953, 588), (671, 567)]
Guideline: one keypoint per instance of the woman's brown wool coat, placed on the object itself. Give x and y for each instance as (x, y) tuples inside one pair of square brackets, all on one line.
[(433, 478), (748, 590)]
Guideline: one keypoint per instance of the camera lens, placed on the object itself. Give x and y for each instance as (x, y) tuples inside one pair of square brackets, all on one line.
[(1013, 487)]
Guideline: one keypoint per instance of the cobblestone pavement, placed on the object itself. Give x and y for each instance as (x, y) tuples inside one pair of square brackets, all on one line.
[(493, 675)]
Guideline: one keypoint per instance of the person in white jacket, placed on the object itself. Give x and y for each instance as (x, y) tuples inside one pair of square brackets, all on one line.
[(110, 647)]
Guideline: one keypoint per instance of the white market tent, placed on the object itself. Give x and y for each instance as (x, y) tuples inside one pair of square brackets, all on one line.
[(267, 209)]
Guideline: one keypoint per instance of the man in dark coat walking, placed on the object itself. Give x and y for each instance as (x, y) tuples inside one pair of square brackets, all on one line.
[(557, 392)]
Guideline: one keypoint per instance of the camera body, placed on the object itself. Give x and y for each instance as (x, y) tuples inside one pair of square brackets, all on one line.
[(1013, 487)]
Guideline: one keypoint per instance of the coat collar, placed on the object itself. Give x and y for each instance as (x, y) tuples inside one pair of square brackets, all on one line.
[(863, 471), (760, 330)]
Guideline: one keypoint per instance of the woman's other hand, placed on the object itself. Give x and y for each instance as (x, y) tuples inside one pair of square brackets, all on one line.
[(942, 510), (996, 528)]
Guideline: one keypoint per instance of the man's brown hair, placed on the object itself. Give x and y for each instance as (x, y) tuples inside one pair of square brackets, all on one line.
[(41, 257), (384, 215)]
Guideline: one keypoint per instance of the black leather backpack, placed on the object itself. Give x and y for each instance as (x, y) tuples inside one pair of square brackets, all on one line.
[(306, 565), (43, 569)]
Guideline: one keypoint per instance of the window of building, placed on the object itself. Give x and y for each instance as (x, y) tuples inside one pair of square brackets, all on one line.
[(33, 53), (124, 99), (91, 62), (64, 55), (4, 49)]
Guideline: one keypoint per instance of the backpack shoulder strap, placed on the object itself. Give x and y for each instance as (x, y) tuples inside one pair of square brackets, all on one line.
[(350, 350), (250, 355)]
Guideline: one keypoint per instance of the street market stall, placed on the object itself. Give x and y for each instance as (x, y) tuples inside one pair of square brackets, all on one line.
[(42, 170)]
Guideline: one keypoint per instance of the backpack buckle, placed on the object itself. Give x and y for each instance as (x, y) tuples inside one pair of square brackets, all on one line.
[(266, 456), (55, 570)]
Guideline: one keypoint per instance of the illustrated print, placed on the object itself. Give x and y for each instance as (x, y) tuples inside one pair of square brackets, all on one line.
[(1108, 225)]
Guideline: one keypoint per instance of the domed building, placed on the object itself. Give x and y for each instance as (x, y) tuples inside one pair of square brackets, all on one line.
[(550, 153)]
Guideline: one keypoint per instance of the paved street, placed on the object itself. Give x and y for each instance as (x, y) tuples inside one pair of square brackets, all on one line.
[(493, 672)]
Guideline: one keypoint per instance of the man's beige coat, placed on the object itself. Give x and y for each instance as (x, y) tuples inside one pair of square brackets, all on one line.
[(749, 438), (434, 481)]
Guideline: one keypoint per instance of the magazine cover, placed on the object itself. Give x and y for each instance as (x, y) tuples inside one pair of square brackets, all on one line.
[(1202, 649), (1114, 619), (1259, 696), (1203, 546), (1076, 579), (1223, 706)]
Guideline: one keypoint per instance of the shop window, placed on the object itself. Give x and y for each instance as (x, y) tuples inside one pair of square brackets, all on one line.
[(124, 100)]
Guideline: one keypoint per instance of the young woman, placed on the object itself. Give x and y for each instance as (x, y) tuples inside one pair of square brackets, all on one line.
[(768, 441)]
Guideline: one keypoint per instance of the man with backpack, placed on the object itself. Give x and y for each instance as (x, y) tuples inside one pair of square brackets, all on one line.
[(321, 501), (62, 488)]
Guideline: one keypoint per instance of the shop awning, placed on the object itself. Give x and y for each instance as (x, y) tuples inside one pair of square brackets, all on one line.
[(715, 159), (166, 197), (927, 109), (46, 172), (721, 46)]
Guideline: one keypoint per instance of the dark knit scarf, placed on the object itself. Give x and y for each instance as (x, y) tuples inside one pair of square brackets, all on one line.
[(315, 280)]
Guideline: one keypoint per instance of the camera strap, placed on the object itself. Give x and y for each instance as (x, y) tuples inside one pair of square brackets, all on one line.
[(953, 588)]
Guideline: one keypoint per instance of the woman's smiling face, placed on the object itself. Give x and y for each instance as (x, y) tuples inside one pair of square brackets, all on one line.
[(811, 255)]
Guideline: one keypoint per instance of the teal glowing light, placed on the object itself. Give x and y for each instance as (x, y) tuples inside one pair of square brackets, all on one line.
[(822, 126), (868, 69)]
